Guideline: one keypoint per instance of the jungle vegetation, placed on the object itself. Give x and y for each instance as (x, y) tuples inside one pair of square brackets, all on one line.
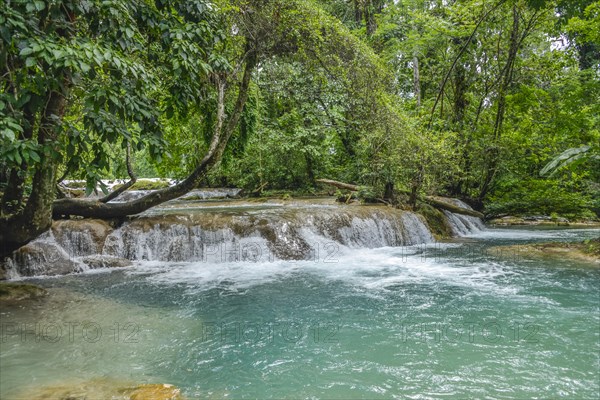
[(496, 102)]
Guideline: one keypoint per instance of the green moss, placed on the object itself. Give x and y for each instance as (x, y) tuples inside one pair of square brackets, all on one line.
[(77, 193), (591, 247), (146, 184), (11, 292), (75, 185), (436, 220)]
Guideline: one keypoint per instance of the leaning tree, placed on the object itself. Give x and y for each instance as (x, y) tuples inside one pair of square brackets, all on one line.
[(80, 77)]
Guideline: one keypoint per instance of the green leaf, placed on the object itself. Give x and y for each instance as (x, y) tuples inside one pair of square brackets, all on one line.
[(26, 51), (565, 158), (84, 67), (8, 134), (35, 156)]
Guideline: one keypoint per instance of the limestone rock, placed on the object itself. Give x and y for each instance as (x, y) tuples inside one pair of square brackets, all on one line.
[(155, 392), (43, 258), (101, 261), (101, 388), (14, 292)]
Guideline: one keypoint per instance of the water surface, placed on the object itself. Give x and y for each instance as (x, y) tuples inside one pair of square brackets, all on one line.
[(451, 320)]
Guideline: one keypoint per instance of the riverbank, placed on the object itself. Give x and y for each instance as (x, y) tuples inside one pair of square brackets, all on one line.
[(542, 221)]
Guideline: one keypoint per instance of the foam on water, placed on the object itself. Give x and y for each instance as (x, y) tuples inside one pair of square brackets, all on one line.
[(373, 269)]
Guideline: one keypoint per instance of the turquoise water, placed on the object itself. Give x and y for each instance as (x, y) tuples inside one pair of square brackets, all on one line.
[(454, 320)]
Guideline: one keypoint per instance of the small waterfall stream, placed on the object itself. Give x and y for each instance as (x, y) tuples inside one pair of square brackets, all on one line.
[(244, 232), (462, 225)]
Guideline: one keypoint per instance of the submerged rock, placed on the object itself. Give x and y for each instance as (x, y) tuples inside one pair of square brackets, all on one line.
[(587, 252), (100, 261), (155, 392), (15, 292), (101, 389), (41, 257)]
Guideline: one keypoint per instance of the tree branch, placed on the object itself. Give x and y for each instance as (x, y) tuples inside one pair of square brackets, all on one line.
[(130, 183), (96, 209), (462, 50)]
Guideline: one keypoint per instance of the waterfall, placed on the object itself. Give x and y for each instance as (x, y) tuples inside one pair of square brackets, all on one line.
[(415, 230), (224, 234), (460, 224)]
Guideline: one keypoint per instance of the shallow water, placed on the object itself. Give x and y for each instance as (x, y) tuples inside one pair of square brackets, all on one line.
[(452, 320)]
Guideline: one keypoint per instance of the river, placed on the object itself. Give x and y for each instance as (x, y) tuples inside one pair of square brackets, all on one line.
[(432, 320)]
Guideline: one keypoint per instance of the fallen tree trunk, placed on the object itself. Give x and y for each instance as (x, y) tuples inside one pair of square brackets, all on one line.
[(431, 200), (340, 185)]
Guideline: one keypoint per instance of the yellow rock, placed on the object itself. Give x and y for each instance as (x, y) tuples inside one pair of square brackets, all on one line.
[(156, 392), (101, 388)]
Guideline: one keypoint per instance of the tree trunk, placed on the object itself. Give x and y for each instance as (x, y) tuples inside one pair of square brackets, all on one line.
[(19, 229), (310, 173), (389, 192), (15, 188), (370, 18), (460, 53), (432, 200), (416, 80), (493, 151), (130, 183), (339, 185), (455, 185), (358, 14)]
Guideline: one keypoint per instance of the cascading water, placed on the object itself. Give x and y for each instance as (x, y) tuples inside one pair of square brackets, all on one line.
[(223, 234), (463, 225)]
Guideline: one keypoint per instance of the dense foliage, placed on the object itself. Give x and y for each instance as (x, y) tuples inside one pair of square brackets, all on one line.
[(496, 102), (470, 99)]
